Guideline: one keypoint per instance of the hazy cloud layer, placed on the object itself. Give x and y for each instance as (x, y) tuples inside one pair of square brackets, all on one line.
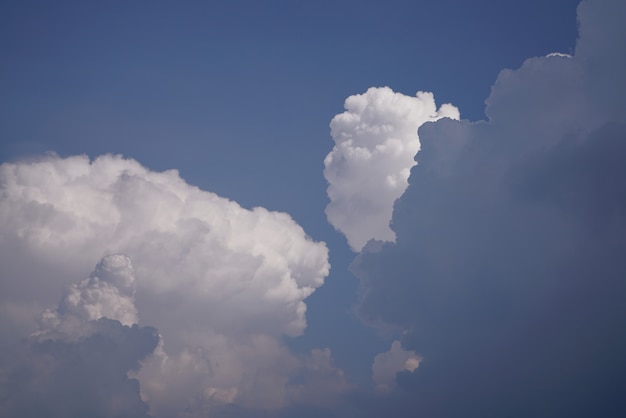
[(367, 170), (221, 283), (509, 270)]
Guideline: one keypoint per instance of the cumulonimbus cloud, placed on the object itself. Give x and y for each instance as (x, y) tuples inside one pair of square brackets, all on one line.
[(221, 283), (368, 168), (508, 271)]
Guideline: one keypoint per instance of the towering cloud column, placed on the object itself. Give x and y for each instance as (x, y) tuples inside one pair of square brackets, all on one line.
[(367, 170)]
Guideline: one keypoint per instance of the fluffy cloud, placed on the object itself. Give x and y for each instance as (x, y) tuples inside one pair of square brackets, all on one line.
[(367, 170), (251, 265), (270, 378), (107, 293), (508, 271), (222, 284), (77, 363)]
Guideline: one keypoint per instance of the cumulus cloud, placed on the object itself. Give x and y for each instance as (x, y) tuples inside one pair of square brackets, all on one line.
[(223, 284), (319, 380), (387, 365), (109, 292), (367, 170), (268, 376), (508, 271), (77, 363)]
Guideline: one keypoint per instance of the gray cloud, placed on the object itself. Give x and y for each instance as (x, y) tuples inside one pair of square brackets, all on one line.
[(87, 376), (78, 362), (508, 270)]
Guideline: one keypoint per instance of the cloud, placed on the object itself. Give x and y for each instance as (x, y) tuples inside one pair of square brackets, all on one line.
[(367, 170), (222, 284), (319, 381), (388, 364), (507, 275), (78, 362), (109, 292), (269, 376), (82, 377)]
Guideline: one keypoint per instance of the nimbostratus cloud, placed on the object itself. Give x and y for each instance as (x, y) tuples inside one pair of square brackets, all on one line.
[(221, 283), (508, 274), (367, 170)]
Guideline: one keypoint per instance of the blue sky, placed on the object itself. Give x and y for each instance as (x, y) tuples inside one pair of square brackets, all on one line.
[(238, 96)]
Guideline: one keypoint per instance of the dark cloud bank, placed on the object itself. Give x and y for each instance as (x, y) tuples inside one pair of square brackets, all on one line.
[(509, 270), (78, 378)]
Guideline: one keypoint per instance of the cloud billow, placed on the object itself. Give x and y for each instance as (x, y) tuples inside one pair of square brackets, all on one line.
[(79, 360), (367, 169), (222, 284), (508, 271)]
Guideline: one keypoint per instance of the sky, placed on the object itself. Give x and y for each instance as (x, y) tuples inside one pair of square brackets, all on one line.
[(293, 209)]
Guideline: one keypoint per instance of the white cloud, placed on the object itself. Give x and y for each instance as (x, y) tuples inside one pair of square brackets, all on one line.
[(367, 170), (388, 364), (221, 283), (109, 292), (559, 54)]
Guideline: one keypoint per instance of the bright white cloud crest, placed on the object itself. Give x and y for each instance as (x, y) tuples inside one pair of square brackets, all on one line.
[(182, 240), (109, 292), (368, 169), (217, 280)]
